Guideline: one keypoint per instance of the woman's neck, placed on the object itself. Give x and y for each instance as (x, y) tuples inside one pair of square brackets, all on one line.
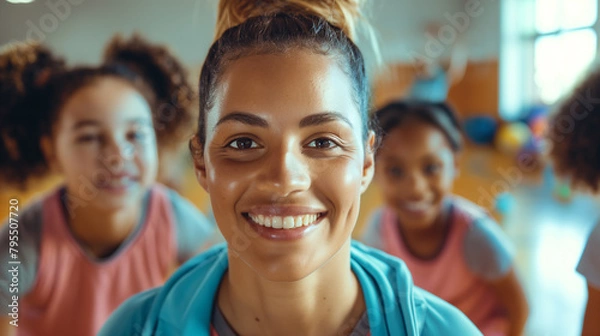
[(101, 231), (326, 302)]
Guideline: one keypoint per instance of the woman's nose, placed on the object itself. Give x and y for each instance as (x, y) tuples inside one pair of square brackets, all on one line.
[(286, 172)]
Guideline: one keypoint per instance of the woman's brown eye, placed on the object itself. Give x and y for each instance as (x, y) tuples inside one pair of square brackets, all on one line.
[(243, 143), (322, 143)]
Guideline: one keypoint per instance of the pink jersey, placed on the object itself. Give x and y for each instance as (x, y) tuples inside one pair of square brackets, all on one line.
[(73, 293), (473, 254)]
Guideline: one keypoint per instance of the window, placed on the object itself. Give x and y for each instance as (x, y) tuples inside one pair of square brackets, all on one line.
[(565, 45)]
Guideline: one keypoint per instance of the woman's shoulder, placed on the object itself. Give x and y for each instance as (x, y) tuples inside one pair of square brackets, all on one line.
[(438, 317), (189, 289)]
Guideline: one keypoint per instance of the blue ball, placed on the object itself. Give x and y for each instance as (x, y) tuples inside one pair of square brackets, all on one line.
[(481, 129)]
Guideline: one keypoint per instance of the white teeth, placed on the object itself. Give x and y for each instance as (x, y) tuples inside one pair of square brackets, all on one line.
[(305, 220), (287, 222), (298, 221), (277, 222)]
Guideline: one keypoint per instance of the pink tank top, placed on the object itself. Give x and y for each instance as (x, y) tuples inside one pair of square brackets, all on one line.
[(74, 294), (447, 275)]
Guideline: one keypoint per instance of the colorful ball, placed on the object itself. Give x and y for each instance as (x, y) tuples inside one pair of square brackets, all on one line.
[(538, 126), (511, 137), (480, 129)]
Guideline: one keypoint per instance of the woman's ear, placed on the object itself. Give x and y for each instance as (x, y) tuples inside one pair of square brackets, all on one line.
[(369, 162), (49, 153), (197, 149)]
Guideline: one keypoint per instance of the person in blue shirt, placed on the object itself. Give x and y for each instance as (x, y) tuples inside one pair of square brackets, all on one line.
[(285, 152), (433, 78)]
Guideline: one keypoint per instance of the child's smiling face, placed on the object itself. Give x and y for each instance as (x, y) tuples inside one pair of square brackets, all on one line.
[(416, 167), (284, 161), (104, 144)]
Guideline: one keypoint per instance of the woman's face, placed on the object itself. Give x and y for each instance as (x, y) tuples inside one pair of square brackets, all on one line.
[(284, 162)]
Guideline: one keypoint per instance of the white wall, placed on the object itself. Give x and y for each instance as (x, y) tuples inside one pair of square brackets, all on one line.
[(186, 25), (79, 28)]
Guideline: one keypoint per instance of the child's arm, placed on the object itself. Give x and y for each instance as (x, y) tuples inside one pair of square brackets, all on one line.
[(458, 64), (510, 292), (5, 328), (490, 254), (591, 322)]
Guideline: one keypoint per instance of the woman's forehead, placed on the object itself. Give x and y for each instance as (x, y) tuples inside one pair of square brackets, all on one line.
[(290, 84)]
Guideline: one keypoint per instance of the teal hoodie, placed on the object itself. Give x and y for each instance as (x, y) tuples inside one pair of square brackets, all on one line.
[(184, 305)]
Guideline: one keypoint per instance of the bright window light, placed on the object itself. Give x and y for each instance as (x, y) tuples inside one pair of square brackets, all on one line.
[(565, 46), (554, 15), (561, 61)]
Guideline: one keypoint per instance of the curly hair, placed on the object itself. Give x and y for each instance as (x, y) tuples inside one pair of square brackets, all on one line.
[(25, 70), (168, 78), (574, 135)]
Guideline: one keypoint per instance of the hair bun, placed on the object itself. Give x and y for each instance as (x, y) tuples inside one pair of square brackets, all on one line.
[(343, 14)]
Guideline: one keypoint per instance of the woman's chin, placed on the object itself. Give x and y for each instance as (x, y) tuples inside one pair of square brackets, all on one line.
[(284, 269)]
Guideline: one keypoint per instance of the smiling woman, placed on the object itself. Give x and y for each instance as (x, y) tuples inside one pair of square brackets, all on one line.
[(284, 151)]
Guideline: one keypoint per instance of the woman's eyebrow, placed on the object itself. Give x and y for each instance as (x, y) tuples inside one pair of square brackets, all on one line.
[(245, 118), (311, 120), (321, 118)]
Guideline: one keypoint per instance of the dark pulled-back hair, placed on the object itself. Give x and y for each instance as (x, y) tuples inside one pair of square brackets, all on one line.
[(574, 135), (440, 115), (247, 28)]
